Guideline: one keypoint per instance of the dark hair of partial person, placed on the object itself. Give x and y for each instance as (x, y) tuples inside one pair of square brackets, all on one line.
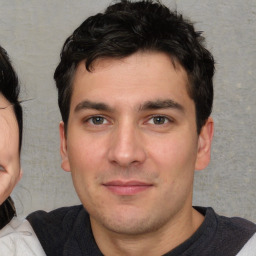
[(128, 27), (9, 87)]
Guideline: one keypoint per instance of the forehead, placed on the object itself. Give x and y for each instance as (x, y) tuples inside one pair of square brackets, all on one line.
[(139, 77)]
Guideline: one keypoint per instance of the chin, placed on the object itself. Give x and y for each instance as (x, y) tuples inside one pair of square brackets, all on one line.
[(131, 224)]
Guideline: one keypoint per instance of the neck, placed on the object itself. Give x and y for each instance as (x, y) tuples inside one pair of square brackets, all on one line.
[(157, 242)]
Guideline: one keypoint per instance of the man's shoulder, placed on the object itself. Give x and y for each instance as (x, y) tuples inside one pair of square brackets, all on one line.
[(221, 235), (228, 224), (236, 225), (60, 220), (56, 216), (238, 232), (54, 228)]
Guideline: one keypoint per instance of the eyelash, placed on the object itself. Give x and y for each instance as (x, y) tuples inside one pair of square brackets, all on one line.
[(166, 119), (90, 120), (104, 119)]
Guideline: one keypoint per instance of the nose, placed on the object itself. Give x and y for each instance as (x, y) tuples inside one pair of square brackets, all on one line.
[(126, 147)]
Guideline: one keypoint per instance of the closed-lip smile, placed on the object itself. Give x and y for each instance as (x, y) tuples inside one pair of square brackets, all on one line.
[(131, 187)]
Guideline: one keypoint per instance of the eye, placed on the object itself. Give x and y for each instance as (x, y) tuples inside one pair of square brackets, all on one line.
[(96, 120), (159, 120), (2, 168)]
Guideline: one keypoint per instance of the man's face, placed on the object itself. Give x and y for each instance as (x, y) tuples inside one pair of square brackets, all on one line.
[(9, 149), (132, 144)]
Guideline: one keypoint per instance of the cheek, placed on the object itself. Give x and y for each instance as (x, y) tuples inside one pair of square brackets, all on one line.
[(175, 160), (85, 153), (173, 151), (9, 142), (86, 163)]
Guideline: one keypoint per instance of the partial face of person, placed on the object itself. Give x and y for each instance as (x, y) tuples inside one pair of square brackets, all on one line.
[(132, 144), (9, 149)]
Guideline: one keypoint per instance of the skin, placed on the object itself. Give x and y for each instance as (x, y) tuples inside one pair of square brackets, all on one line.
[(10, 171), (132, 148)]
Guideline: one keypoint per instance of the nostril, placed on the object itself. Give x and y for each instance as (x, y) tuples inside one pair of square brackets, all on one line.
[(124, 158)]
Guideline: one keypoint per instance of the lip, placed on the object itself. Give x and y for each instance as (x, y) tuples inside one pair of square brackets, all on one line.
[(127, 188)]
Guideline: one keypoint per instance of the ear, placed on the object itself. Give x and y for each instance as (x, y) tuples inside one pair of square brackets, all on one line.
[(63, 148), (204, 145)]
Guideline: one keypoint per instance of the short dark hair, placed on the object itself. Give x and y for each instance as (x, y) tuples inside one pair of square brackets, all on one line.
[(9, 87), (128, 27)]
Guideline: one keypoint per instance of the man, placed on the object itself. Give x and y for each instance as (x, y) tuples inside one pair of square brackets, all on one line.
[(135, 94)]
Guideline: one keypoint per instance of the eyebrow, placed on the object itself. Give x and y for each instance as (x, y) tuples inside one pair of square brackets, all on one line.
[(86, 104), (149, 105), (161, 104), (11, 104)]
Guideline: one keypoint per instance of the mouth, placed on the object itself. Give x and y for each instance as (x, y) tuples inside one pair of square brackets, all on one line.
[(127, 188)]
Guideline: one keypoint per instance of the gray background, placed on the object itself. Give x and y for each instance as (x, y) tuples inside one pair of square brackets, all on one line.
[(33, 33)]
